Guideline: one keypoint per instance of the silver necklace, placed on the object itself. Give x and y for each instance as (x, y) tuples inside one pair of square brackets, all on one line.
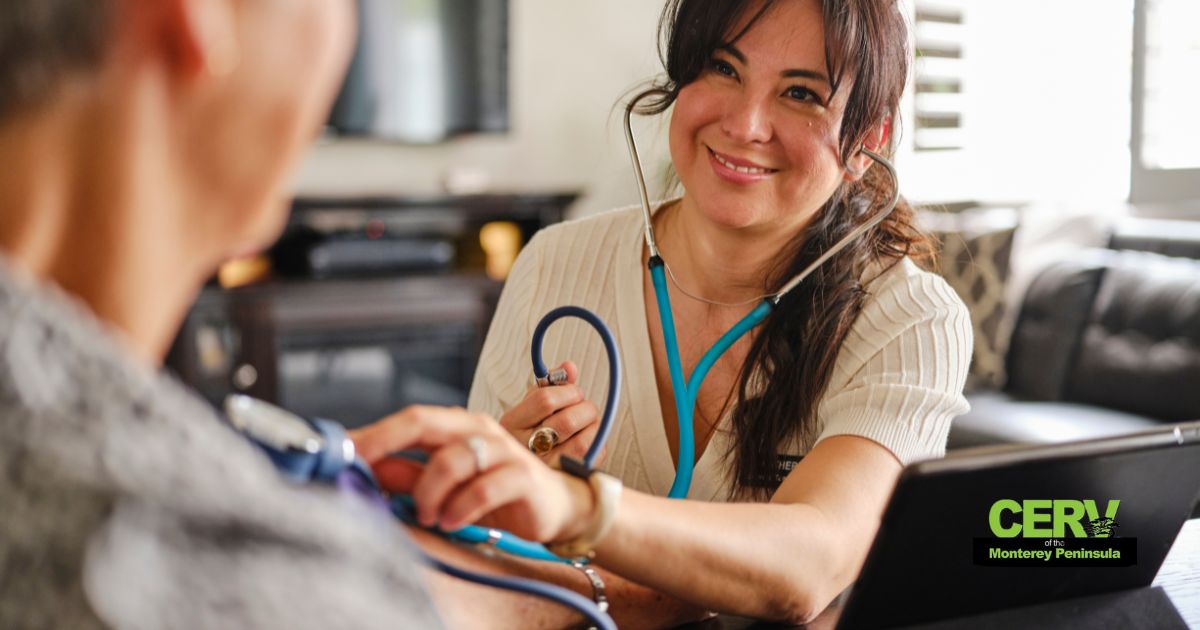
[(675, 281)]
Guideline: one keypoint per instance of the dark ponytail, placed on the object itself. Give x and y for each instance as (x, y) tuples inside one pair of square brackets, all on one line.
[(791, 360)]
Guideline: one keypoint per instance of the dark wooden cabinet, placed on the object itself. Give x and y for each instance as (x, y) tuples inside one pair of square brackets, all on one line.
[(355, 349)]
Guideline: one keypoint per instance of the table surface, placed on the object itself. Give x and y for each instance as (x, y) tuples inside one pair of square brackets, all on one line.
[(1180, 573), (1179, 578)]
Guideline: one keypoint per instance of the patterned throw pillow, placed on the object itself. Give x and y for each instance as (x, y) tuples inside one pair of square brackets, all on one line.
[(975, 250)]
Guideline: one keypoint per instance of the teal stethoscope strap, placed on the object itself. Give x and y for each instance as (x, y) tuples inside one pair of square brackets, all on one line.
[(683, 414), (404, 508), (685, 393)]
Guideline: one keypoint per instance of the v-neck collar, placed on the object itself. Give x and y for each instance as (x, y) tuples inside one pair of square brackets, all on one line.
[(650, 434)]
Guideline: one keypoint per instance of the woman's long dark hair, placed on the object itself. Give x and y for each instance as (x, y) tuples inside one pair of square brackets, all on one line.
[(791, 360)]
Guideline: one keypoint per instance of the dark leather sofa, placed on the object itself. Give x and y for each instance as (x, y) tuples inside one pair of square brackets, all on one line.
[(1107, 341)]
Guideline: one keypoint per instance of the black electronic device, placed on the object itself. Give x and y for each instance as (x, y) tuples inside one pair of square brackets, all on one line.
[(1003, 527), (304, 252), (425, 70)]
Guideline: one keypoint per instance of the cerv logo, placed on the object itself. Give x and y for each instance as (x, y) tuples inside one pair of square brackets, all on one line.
[(1044, 518), (1055, 532)]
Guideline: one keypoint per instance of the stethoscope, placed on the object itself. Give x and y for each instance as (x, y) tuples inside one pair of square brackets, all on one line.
[(318, 451)]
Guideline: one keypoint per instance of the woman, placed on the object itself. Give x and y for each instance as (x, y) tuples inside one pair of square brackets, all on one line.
[(802, 427)]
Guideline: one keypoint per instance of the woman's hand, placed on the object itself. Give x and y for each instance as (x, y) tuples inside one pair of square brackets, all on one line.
[(476, 472), (559, 407)]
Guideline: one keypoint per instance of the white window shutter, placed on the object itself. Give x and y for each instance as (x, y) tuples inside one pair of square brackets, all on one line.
[(939, 104)]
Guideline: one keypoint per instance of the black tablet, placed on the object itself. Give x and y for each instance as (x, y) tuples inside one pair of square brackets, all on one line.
[(1000, 527)]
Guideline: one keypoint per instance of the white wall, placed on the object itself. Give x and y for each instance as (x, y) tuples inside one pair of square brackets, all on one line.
[(1049, 118), (570, 62)]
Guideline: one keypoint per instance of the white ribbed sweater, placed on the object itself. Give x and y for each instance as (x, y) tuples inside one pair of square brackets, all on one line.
[(898, 378)]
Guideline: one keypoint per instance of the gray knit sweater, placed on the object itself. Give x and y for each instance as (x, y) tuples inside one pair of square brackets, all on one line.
[(126, 502)]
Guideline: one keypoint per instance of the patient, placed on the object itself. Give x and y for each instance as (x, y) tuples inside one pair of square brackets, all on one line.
[(142, 143)]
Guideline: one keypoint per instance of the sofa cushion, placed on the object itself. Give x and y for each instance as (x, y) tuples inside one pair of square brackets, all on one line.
[(1160, 236), (997, 418), (1140, 350), (1046, 338), (973, 257)]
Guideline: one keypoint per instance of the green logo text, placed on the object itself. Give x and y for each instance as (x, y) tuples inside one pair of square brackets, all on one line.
[(1046, 518)]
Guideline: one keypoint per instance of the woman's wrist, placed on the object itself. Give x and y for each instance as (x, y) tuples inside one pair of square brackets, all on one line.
[(581, 503), (601, 513)]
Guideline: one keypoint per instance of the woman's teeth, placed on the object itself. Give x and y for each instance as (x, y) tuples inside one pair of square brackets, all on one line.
[(742, 169)]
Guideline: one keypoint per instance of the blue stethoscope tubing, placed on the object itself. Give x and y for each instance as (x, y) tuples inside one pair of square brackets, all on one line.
[(332, 460), (685, 396), (502, 540), (563, 596), (686, 391), (614, 368), (403, 508)]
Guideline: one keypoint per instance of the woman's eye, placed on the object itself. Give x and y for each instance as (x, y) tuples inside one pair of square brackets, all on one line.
[(722, 67), (802, 94)]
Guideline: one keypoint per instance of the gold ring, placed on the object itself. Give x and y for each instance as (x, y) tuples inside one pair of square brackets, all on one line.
[(543, 440), (478, 451)]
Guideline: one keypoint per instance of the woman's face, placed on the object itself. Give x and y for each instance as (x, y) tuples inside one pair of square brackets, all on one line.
[(755, 137), (249, 129)]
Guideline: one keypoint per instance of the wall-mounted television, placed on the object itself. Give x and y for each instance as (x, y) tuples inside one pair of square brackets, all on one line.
[(426, 70)]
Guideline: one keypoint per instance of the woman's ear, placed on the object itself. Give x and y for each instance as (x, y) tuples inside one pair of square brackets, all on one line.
[(876, 141)]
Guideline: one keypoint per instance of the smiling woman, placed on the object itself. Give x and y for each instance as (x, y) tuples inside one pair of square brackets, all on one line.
[(802, 426), (778, 89)]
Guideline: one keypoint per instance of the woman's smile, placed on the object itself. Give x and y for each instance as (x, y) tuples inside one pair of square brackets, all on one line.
[(737, 170)]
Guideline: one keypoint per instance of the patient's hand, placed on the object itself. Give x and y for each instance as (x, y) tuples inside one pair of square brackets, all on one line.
[(466, 605)]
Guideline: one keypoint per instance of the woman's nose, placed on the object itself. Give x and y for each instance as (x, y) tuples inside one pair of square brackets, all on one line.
[(747, 119)]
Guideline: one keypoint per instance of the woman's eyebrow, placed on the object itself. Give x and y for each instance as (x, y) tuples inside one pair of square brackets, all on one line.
[(807, 74), (737, 54), (792, 72)]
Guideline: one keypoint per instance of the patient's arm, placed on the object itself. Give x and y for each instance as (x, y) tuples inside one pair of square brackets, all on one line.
[(466, 605)]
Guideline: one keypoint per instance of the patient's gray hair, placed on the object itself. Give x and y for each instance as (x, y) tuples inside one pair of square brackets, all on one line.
[(43, 42)]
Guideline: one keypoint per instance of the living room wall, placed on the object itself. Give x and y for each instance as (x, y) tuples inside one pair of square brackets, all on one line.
[(570, 63), (1048, 118)]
